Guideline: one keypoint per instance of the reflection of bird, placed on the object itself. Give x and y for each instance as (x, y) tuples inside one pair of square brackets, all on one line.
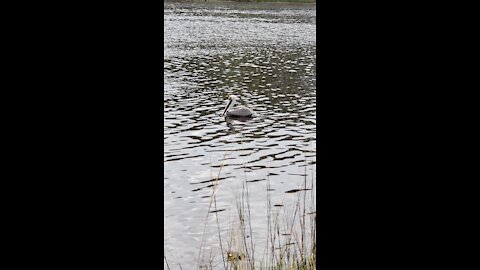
[(230, 125), (230, 122), (241, 111)]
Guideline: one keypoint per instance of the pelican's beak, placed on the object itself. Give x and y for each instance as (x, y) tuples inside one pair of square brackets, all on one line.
[(228, 105)]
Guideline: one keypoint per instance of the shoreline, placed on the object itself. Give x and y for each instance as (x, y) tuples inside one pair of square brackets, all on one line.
[(247, 1)]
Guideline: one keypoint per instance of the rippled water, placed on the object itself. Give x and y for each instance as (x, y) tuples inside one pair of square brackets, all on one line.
[(265, 54)]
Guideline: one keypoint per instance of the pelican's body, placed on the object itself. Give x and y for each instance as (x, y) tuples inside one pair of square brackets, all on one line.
[(240, 111)]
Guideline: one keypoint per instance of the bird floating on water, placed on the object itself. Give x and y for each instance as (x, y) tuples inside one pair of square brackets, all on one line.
[(240, 111)]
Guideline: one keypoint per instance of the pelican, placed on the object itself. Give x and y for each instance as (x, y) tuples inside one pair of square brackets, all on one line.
[(241, 111)]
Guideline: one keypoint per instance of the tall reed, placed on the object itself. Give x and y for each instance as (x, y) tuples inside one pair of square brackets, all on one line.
[(290, 241)]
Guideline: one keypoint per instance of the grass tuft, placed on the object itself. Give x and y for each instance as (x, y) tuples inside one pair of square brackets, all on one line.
[(290, 238)]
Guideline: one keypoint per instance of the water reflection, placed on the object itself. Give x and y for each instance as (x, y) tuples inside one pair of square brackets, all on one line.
[(231, 120), (265, 55)]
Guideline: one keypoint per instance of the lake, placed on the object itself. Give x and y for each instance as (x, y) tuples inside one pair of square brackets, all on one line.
[(265, 54)]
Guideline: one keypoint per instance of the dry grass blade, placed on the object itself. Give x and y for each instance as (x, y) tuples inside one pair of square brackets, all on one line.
[(165, 257), (290, 241)]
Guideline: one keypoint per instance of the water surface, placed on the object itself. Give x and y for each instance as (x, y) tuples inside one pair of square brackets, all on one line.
[(264, 53)]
